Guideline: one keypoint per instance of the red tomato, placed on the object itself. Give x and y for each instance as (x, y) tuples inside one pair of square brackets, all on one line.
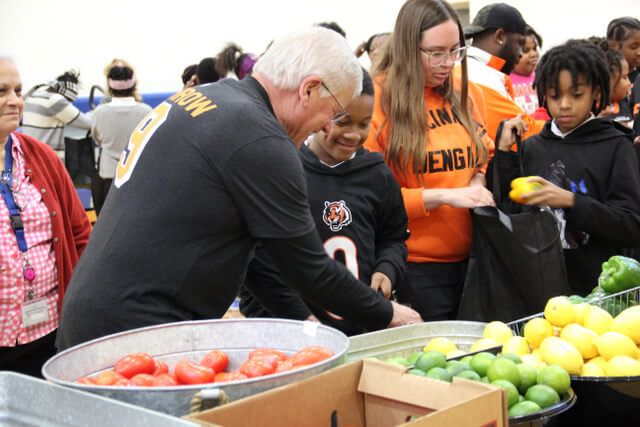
[(161, 368), (166, 380), (310, 355), (285, 365), (270, 359), (144, 380), (256, 368), (132, 364), (188, 372), (269, 351), (216, 360), (86, 380), (230, 376), (124, 382), (108, 378)]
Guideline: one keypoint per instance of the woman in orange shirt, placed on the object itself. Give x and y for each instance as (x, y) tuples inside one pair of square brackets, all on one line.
[(429, 123)]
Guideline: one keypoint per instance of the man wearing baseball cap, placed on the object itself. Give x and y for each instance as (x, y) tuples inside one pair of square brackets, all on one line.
[(498, 36)]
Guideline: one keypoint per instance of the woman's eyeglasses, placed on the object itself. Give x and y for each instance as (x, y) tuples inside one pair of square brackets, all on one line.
[(439, 57)]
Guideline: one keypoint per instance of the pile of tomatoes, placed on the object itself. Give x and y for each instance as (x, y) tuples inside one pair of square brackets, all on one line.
[(142, 370)]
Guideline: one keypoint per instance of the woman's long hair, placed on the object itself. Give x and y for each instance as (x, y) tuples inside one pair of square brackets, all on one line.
[(403, 88)]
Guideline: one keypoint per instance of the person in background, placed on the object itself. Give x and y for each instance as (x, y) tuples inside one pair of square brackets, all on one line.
[(48, 109), (189, 76), (358, 210), (43, 231), (233, 59), (206, 72), (117, 62), (429, 123), (584, 165), (618, 106), (210, 172), (334, 27), (374, 47), (623, 35), (498, 32), (112, 126), (524, 73)]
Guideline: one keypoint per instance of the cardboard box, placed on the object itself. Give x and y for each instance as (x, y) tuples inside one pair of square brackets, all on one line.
[(366, 393)]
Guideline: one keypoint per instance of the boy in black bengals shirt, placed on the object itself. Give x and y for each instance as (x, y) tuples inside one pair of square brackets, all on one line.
[(359, 213), (589, 174)]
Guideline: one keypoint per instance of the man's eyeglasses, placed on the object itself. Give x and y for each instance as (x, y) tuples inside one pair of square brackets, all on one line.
[(439, 57), (342, 114)]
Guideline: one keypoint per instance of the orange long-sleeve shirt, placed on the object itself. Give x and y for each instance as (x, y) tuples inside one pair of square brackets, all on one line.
[(442, 234)]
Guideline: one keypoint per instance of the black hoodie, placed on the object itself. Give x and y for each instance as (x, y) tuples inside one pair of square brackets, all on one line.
[(360, 217), (596, 161)]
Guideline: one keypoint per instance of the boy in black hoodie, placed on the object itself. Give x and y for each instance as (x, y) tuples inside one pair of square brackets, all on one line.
[(360, 217), (586, 166)]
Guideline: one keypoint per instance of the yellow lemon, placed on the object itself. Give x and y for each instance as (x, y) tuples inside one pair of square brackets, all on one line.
[(530, 360), (556, 351), (622, 366), (536, 353), (581, 338), (598, 360), (515, 345), (441, 344), (592, 370), (628, 323), (455, 353), (581, 310), (483, 344), (537, 329), (497, 330), (611, 344), (598, 320), (559, 311)]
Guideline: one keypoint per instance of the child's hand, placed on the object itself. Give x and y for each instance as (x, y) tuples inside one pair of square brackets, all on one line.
[(548, 195), (381, 281), (510, 129)]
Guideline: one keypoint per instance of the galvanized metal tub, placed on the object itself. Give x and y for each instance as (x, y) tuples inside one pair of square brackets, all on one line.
[(192, 340), (404, 340), (28, 401)]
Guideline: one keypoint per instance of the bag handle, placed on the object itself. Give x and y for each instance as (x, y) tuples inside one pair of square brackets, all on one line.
[(497, 194)]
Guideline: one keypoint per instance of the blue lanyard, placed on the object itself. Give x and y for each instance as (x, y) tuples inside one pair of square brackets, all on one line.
[(7, 195)]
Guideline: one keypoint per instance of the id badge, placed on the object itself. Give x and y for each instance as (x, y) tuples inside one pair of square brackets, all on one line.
[(35, 312)]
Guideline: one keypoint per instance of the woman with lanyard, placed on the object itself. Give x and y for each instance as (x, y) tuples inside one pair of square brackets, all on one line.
[(429, 122), (43, 230)]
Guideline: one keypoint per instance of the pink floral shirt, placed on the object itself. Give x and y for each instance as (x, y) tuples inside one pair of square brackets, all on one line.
[(13, 286)]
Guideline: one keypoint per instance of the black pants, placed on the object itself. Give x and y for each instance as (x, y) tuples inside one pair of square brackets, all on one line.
[(99, 189), (28, 358), (433, 289)]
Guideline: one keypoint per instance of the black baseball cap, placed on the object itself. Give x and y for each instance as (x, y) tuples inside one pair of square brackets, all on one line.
[(497, 15)]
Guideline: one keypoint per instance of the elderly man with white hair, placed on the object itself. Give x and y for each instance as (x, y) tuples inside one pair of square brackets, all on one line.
[(207, 174)]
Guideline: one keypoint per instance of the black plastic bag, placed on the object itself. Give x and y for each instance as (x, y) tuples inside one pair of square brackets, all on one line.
[(80, 159), (516, 261)]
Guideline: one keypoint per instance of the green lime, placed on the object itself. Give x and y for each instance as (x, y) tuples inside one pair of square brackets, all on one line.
[(417, 372), (520, 398), (543, 395), (468, 375), (455, 366), (512, 391), (555, 377), (485, 380), (480, 362), (524, 407), (504, 369), (398, 361), (431, 359), (414, 356), (467, 359), (439, 373), (528, 377), (513, 357)]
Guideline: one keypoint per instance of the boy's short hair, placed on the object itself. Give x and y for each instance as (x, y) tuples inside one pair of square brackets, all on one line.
[(578, 57)]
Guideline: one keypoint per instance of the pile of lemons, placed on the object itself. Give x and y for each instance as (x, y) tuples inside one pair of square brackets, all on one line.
[(586, 340)]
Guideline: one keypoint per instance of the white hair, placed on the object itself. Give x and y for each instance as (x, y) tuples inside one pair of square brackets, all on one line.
[(314, 51)]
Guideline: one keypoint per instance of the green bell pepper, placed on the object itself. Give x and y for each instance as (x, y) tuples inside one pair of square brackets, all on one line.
[(619, 273)]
